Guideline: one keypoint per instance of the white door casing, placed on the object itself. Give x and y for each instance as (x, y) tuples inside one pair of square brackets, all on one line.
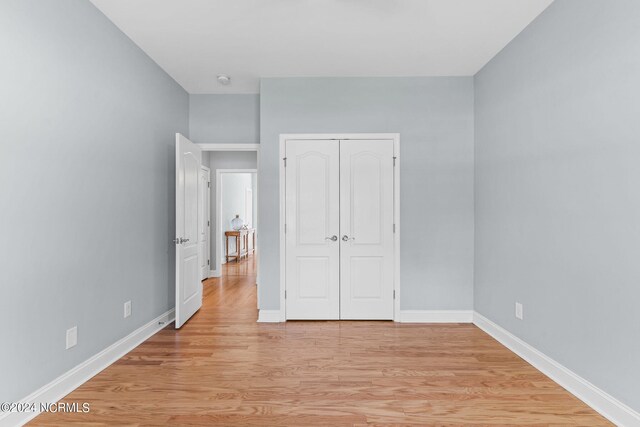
[(188, 284), (312, 229), (204, 221), (366, 229)]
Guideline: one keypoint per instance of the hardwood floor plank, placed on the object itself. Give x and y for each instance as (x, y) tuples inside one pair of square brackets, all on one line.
[(223, 368)]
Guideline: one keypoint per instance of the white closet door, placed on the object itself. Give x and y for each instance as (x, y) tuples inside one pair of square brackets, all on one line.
[(366, 229), (312, 229)]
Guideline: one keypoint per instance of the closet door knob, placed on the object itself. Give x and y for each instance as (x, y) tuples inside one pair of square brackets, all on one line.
[(346, 238), (332, 238)]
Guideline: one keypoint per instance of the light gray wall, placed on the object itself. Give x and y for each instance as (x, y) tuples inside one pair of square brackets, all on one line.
[(224, 118), (434, 117), (88, 126), (227, 160), (557, 190)]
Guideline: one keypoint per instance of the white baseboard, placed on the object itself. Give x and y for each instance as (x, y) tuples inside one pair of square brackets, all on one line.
[(610, 408), (214, 273), (69, 381), (270, 316), (436, 316)]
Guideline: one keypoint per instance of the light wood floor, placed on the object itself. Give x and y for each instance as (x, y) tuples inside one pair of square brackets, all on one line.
[(223, 368)]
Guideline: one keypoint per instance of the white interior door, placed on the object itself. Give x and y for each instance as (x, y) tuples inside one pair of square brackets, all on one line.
[(366, 229), (312, 228), (204, 221), (188, 285)]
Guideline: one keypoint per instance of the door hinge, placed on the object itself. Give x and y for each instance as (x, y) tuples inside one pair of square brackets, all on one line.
[(208, 262), (208, 224), (285, 294), (394, 228), (394, 294), (394, 161), (208, 185), (285, 161), (285, 228)]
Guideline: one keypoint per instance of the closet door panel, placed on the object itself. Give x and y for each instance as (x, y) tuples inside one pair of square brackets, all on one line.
[(312, 220), (366, 228)]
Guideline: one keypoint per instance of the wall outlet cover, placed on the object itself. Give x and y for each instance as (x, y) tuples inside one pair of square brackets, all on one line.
[(127, 309), (72, 337), (519, 312)]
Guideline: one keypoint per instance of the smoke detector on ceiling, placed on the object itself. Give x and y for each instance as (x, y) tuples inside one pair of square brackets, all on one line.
[(224, 80)]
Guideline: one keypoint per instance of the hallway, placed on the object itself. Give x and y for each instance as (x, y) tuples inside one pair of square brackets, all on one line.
[(223, 368)]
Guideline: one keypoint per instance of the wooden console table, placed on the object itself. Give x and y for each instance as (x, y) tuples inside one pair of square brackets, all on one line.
[(243, 237)]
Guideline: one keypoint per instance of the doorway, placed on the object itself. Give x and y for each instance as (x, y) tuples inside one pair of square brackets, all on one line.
[(340, 214), (193, 224), (236, 194), (238, 158)]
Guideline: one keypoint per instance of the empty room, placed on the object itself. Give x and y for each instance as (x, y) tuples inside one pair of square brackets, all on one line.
[(320, 212)]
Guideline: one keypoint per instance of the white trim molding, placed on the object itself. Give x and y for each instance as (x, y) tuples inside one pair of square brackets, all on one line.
[(229, 147), (270, 316), (436, 316), (70, 380), (609, 407), (214, 273)]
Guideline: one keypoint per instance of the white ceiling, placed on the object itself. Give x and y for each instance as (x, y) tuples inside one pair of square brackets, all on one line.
[(195, 40)]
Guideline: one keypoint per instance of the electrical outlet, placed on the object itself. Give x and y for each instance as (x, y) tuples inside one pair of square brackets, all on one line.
[(72, 337), (127, 309), (519, 313)]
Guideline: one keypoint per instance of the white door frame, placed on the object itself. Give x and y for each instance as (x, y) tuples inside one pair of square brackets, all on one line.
[(219, 172), (395, 137)]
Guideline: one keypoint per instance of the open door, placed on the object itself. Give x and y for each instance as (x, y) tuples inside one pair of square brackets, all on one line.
[(188, 285)]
